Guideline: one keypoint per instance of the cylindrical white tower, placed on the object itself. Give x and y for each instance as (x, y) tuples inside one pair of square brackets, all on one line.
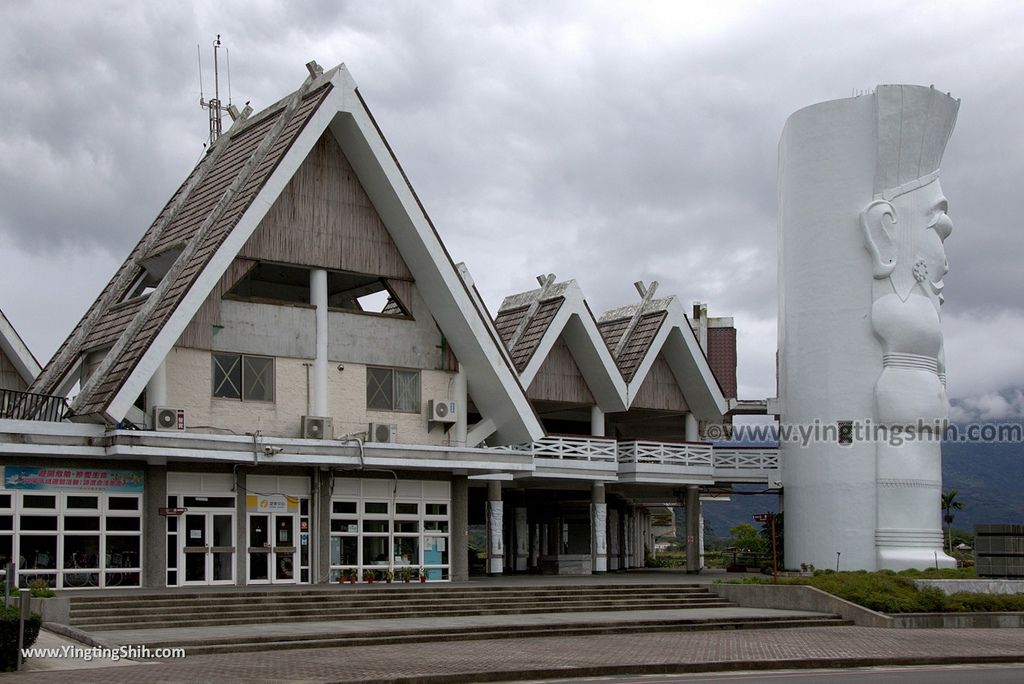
[(862, 220), (828, 357)]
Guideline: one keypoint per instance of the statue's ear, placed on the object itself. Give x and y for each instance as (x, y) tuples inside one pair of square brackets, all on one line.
[(878, 221)]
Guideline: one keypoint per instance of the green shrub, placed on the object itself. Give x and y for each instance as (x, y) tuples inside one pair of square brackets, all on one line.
[(40, 589), (895, 592), (9, 636)]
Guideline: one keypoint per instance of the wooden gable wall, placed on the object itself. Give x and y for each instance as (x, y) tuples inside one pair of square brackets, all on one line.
[(324, 219), (560, 379), (659, 389), (10, 378)]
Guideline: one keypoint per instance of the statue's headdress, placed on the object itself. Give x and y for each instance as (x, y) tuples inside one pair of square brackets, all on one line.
[(913, 125)]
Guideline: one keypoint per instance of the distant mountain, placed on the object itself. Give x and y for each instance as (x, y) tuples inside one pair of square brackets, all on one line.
[(988, 477)]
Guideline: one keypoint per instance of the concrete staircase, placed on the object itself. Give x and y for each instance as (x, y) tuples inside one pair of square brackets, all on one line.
[(209, 608), (201, 621)]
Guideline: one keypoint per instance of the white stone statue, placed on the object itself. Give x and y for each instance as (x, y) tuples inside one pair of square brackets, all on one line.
[(905, 226), (862, 220)]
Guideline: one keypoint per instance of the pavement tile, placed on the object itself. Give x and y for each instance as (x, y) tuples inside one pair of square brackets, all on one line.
[(523, 658)]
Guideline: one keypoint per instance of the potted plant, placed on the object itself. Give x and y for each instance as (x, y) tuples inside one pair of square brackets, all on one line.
[(353, 576), (343, 577), (423, 574), (368, 576), (388, 576), (406, 574)]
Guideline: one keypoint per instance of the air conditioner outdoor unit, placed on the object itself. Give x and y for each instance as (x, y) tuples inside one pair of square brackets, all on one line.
[(442, 411), (317, 427), (382, 432), (166, 419)]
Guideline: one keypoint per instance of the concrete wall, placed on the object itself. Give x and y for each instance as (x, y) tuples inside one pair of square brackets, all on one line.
[(189, 386), (796, 597), (386, 340)]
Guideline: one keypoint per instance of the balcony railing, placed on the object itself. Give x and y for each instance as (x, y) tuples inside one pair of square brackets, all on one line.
[(594, 449), (747, 458), (666, 453), (16, 405)]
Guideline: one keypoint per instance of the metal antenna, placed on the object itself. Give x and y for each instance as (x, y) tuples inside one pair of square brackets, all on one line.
[(214, 105), (227, 58)]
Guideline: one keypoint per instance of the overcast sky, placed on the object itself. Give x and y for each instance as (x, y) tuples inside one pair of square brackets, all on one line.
[(606, 142)]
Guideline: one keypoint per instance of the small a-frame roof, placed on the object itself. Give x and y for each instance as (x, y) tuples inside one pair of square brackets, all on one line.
[(637, 333), (530, 324), (211, 216), (17, 352)]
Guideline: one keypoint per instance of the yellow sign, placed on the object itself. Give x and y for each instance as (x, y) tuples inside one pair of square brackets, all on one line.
[(271, 503)]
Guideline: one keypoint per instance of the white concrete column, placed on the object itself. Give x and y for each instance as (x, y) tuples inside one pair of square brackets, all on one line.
[(692, 528), (522, 539), (156, 389), (535, 539), (700, 537), (614, 549), (495, 529), (599, 527), (692, 433), (596, 421), (461, 392), (627, 539), (318, 298)]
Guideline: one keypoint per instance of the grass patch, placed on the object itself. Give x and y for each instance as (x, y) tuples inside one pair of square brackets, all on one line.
[(895, 592)]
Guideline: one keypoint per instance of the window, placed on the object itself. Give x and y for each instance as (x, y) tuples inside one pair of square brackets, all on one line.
[(393, 389), (242, 376)]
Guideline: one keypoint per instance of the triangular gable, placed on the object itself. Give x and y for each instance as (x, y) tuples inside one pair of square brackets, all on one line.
[(662, 328), (324, 219), (259, 166), (560, 379), (571, 321), (15, 357), (660, 389)]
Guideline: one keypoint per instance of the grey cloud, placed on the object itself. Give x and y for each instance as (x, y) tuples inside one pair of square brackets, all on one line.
[(598, 142)]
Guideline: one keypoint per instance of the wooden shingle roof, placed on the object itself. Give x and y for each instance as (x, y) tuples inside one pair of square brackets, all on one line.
[(508, 322), (188, 231), (639, 338)]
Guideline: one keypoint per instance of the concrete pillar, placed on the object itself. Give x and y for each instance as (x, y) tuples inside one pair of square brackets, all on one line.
[(692, 528), (701, 535), (241, 528), (461, 428), (495, 529), (156, 392), (535, 538), (321, 521), (627, 539), (522, 539), (154, 531), (692, 429), (459, 555), (318, 298), (596, 421), (614, 548), (545, 543), (599, 528)]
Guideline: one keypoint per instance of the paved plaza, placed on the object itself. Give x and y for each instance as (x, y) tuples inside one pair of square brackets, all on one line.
[(523, 659)]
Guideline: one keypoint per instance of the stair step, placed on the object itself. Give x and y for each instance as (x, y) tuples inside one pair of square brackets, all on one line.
[(239, 645), (260, 617)]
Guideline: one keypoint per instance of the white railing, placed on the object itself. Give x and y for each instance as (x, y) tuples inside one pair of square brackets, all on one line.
[(747, 458), (573, 448), (686, 455)]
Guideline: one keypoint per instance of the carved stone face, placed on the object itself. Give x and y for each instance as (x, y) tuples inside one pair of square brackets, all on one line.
[(923, 212)]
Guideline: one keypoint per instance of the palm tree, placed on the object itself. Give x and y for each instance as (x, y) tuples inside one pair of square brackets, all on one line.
[(950, 504)]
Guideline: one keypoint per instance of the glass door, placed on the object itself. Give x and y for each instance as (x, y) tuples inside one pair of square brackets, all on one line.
[(259, 547), (195, 548), (222, 553), (209, 548), (284, 548)]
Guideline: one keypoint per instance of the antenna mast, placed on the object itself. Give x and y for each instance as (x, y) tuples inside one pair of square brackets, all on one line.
[(214, 104)]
